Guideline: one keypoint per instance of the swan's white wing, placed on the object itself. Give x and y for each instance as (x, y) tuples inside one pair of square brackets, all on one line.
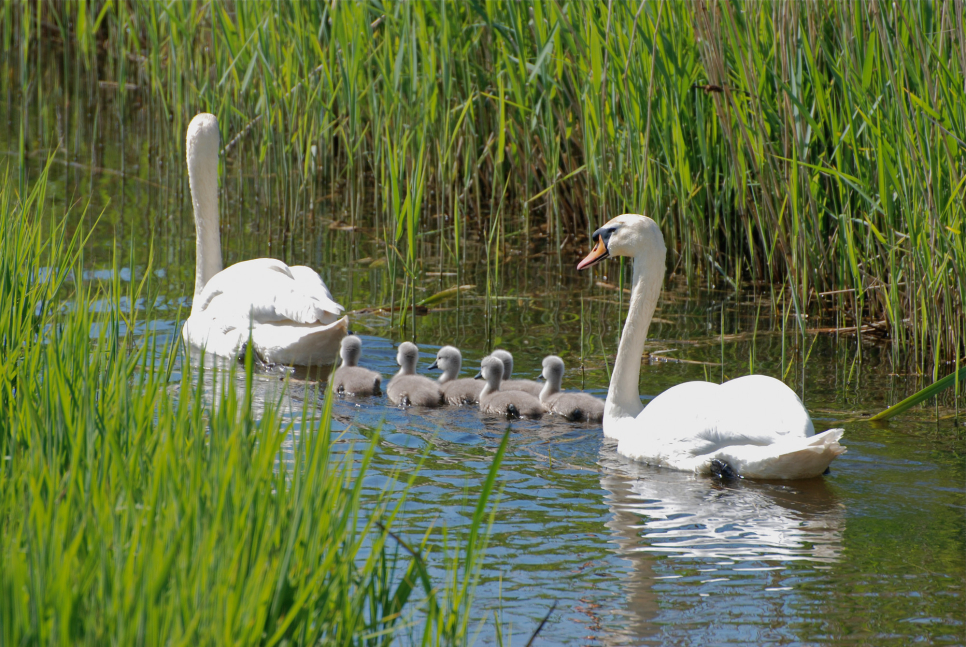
[(312, 282), (267, 291), (750, 410), (291, 315)]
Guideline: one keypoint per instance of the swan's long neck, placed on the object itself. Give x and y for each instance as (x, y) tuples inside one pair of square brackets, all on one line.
[(623, 397), (203, 179)]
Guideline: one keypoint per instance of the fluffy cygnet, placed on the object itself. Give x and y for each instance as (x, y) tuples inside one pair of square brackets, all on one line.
[(512, 404), (455, 391), (572, 406), (527, 386), (407, 388), (350, 378)]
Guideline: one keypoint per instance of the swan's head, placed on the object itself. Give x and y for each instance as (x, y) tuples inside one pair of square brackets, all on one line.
[(407, 356), (203, 135), (491, 368), (553, 370), (626, 235), (351, 350), (449, 361), (507, 359)]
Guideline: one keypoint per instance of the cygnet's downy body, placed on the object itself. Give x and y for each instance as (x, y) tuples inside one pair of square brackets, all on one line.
[(408, 389), (527, 386), (512, 404), (350, 378), (572, 406), (455, 391)]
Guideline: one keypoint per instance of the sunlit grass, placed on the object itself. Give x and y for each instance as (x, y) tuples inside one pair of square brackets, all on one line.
[(138, 507)]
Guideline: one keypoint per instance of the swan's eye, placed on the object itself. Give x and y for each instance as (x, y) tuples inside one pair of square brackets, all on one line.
[(604, 233)]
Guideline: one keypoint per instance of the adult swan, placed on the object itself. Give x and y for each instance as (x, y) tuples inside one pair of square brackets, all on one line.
[(753, 426), (291, 314)]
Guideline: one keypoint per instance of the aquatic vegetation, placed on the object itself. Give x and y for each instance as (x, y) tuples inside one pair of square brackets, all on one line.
[(819, 149), (138, 504)]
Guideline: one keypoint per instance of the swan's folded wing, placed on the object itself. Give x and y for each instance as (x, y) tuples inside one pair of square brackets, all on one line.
[(794, 458), (312, 283), (267, 291)]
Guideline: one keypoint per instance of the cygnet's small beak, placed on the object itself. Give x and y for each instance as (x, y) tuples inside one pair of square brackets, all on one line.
[(540, 376), (478, 376), (434, 365), (596, 255)]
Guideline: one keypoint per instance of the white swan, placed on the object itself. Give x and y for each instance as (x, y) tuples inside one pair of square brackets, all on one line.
[(753, 425), (291, 314)]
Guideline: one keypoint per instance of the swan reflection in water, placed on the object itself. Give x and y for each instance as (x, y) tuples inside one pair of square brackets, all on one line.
[(689, 539)]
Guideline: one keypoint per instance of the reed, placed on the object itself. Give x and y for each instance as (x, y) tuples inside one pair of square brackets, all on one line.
[(140, 502), (819, 145)]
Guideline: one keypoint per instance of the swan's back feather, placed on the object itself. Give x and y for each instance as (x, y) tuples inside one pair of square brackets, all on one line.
[(355, 380), (755, 423), (414, 390), (526, 386), (576, 406), (512, 404), (462, 391)]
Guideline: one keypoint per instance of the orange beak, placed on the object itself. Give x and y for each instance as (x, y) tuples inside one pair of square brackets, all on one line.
[(596, 255)]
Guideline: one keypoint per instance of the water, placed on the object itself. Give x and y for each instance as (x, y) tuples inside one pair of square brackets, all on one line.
[(874, 553)]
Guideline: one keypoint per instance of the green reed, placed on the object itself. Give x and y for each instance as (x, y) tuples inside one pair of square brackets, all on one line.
[(138, 507), (822, 144)]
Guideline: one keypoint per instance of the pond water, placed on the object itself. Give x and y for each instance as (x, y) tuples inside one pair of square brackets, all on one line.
[(874, 553)]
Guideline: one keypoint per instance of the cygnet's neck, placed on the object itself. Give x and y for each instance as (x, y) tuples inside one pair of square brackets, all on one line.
[(492, 385), (450, 372), (623, 396), (203, 180), (407, 368), (552, 387)]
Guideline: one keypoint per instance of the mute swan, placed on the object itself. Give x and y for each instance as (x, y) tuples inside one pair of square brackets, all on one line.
[(458, 392), (753, 425), (351, 378), (291, 314), (572, 406), (527, 386), (409, 389), (512, 404)]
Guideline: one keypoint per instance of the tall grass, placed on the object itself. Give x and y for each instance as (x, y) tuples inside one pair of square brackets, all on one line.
[(816, 145), (136, 508)]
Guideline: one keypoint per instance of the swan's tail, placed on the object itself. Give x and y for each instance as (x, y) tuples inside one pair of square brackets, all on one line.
[(300, 345), (804, 458)]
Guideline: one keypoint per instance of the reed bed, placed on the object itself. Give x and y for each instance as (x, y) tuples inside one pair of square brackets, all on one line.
[(138, 507), (818, 147)]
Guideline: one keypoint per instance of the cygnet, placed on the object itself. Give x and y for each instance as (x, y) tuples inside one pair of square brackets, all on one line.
[(512, 404), (455, 391), (572, 406), (527, 386), (408, 389), (350, 378)]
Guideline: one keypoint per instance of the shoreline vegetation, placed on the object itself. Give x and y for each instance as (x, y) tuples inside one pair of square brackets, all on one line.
[(817, 150), (138, 506)]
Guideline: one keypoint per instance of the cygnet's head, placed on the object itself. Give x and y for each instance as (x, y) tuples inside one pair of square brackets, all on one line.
[(449, 361), (492, 370), (626, 235), (553, 370), (351, 350), (407, 356), (507, 359)]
